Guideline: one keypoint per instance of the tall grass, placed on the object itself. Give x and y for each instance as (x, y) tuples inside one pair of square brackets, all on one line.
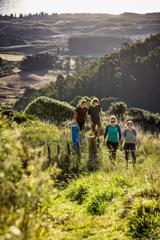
[(109, 203)]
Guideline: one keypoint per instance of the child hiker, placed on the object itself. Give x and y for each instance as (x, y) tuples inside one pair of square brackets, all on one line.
[(94, 112), (130, 141), (112, 137)]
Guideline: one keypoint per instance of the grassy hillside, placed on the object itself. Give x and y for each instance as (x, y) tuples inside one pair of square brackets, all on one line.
[(48, 192)]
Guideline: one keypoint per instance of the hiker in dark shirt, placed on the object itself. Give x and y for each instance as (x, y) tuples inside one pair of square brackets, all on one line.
[(94, 112), (80, 114)]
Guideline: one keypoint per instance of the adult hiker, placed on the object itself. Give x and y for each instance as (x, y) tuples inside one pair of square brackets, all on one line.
[(80, 114), (95, 112), (112, 137), (130, 141)]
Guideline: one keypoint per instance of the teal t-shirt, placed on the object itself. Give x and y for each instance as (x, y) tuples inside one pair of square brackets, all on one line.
[(113, 133)]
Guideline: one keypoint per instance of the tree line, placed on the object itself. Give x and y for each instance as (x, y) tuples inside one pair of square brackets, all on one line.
[(27, 16), (131, 74), (6, 68)]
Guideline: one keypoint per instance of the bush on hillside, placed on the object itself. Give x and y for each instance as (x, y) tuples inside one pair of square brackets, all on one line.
[(39, 61), (97, 203), (20, 195), (144, 222), (21, 118), (37, 134), (77, 100), (147, 120), (6, 111), (78, 193), (106, 102), (6, 68), (48, 109), (118, 109)]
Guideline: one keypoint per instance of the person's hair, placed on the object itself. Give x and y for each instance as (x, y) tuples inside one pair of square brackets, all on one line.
[(82, 101), (129, 122), (94, 100), (113, 117)]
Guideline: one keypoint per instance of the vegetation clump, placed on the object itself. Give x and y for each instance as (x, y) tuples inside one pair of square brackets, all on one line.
[(49, 109), (144, 221)]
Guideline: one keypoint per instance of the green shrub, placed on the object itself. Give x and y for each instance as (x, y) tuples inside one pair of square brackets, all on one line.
[(97, 203), (78, 193), (38, 62), (7, 111), (77, 100), (106, 102), (118, 109), (21, 117), (150, 193), (21, 191), (144, 222), (37, 134), (123, 182), (10, 165), (49, 109), (147, 120)]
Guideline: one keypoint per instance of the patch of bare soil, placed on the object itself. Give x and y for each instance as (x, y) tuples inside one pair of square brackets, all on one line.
[(13, 86)]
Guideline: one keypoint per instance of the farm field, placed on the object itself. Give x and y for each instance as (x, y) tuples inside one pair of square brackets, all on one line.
[(14, 85), (12, 57)]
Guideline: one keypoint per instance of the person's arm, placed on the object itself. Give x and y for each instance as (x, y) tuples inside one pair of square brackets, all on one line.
[(120, 133), (100, 113), (123, 136), (120, 137), (75, 116), (105, 133)]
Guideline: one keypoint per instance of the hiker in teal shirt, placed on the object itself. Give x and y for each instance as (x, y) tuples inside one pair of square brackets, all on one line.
[(112, 137)]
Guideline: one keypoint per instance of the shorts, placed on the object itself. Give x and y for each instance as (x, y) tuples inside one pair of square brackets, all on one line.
[(94, 124), (81, 125)]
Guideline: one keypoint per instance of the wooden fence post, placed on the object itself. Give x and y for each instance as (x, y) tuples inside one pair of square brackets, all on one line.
[(93, 160)]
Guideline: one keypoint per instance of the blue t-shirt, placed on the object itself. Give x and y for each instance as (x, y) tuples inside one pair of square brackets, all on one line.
[(130, 135), (113, 133)]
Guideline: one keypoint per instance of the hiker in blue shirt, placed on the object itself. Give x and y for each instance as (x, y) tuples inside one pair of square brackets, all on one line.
[(112, 137), (130, 141)]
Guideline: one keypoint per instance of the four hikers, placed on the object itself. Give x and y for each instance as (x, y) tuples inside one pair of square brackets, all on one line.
[(113, 136)]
